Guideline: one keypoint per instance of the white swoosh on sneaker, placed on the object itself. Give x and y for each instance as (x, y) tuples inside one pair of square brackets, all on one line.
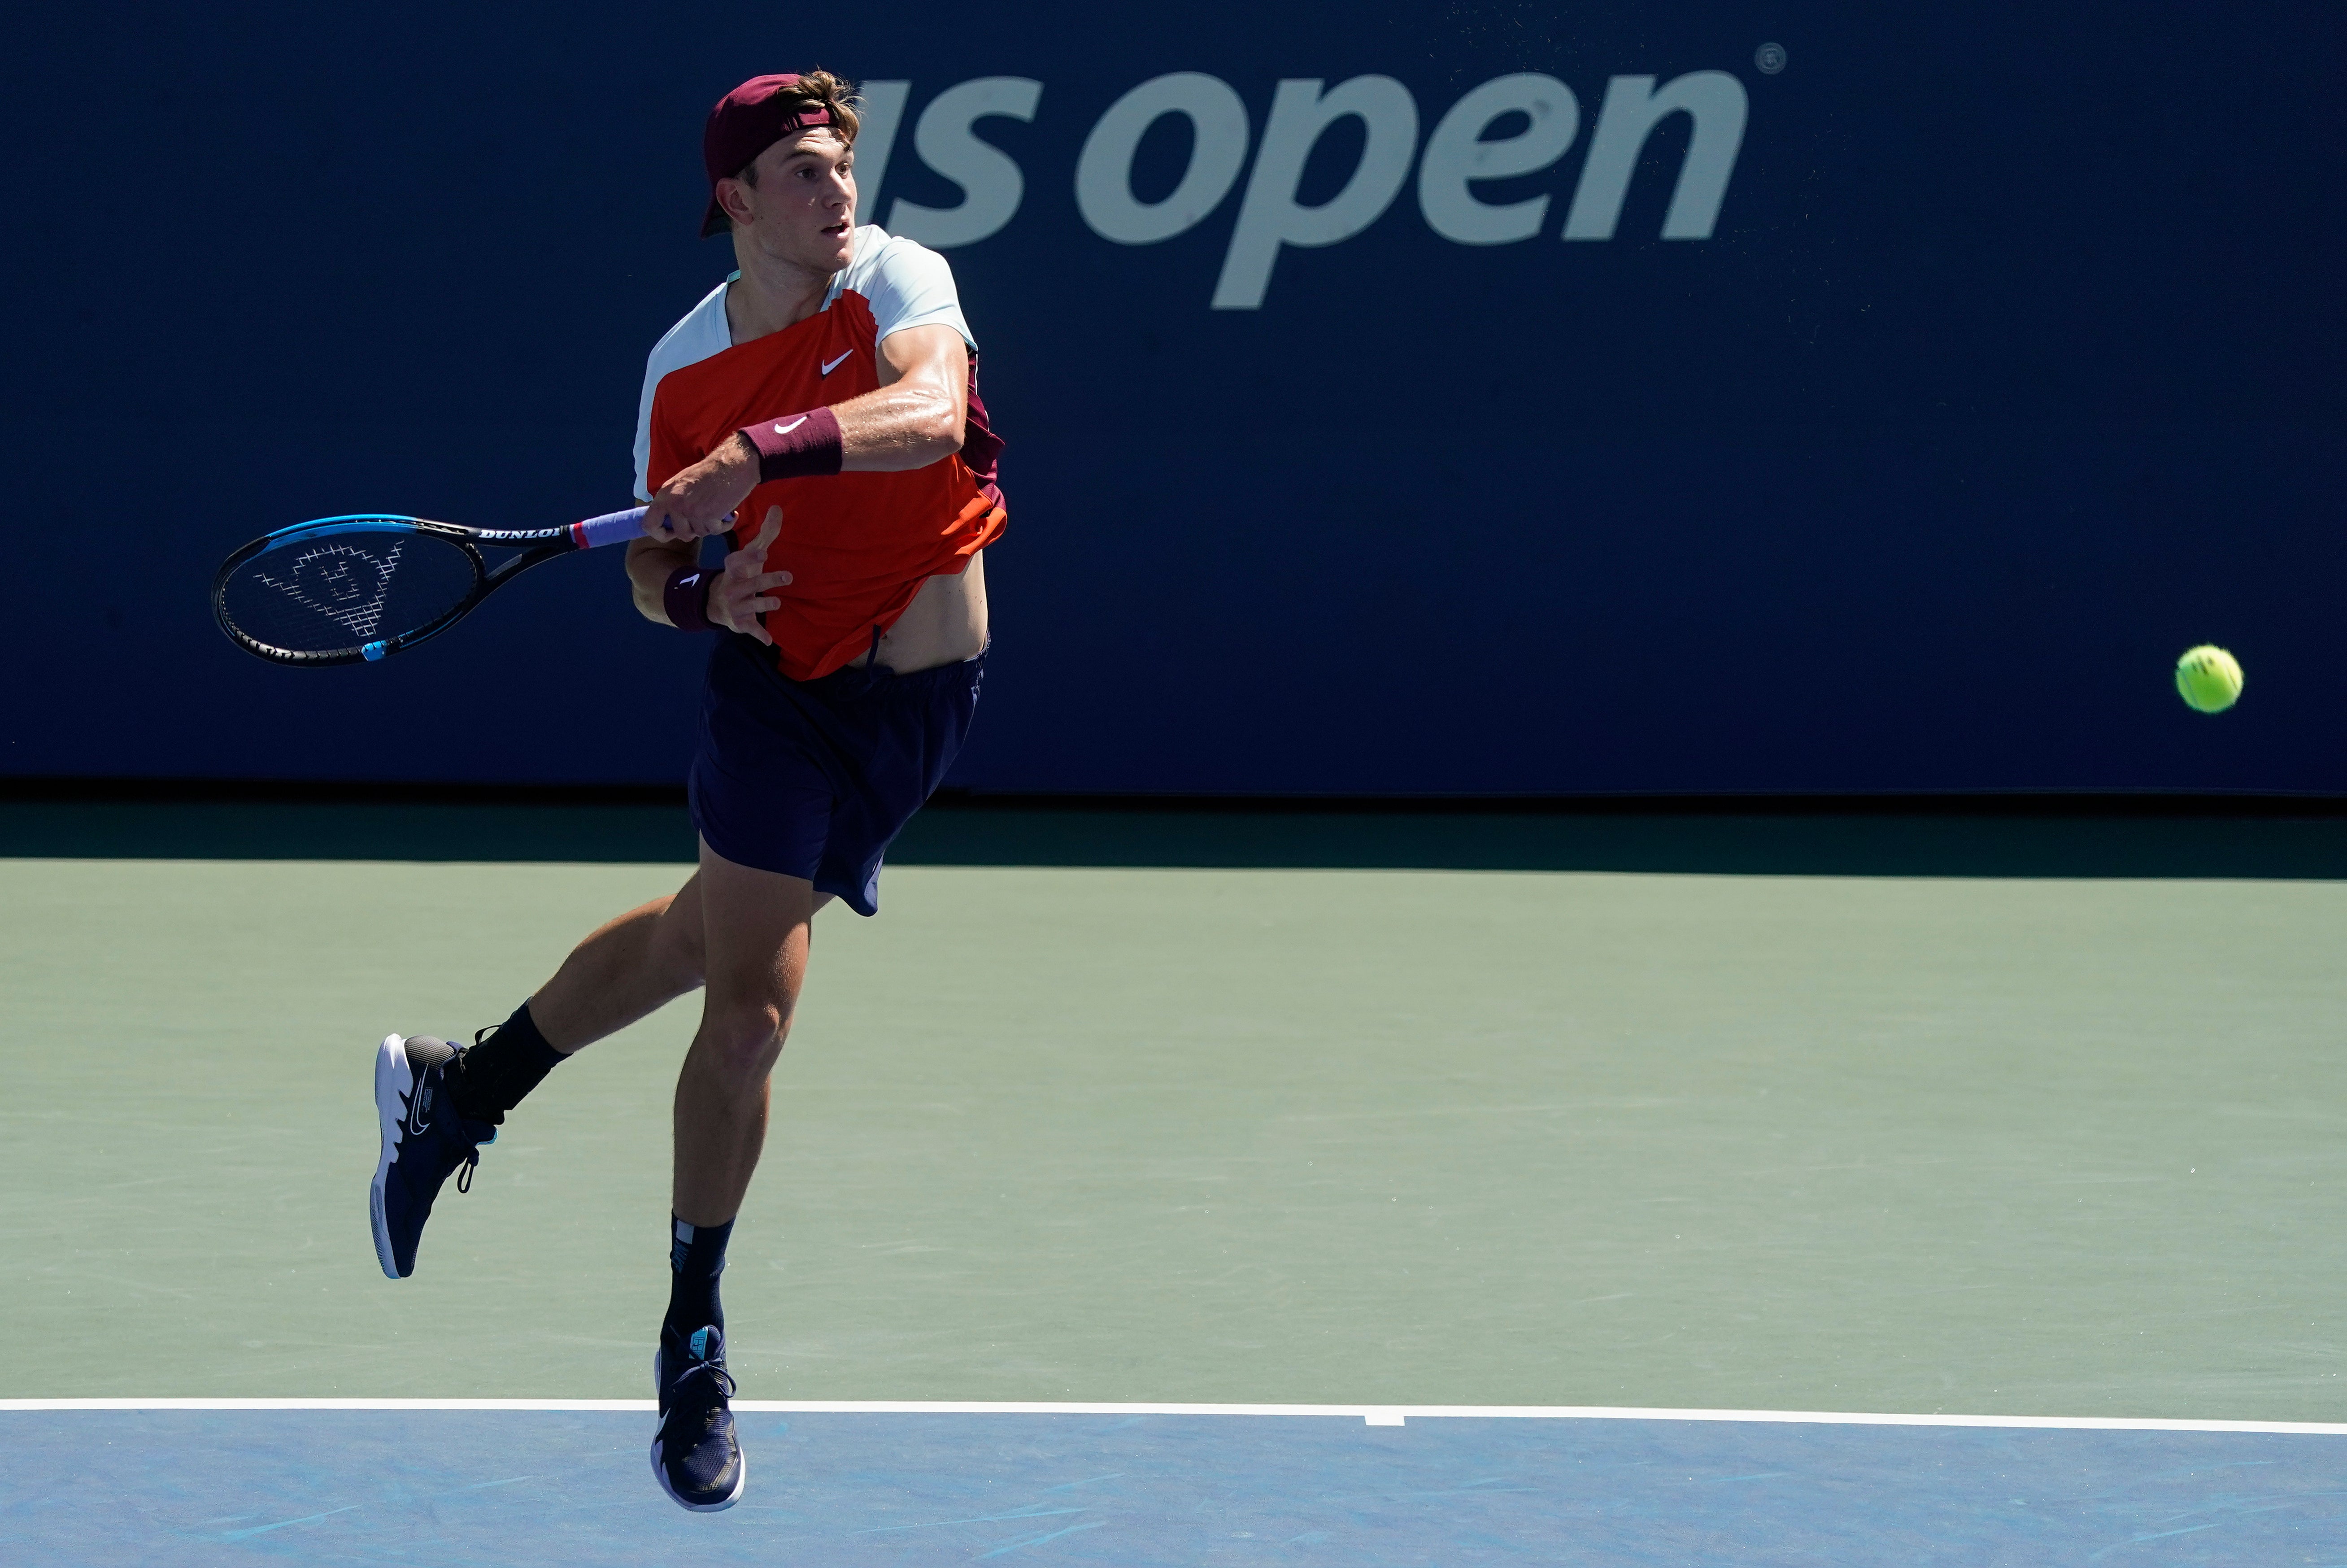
[(834, 364), (793, 424)]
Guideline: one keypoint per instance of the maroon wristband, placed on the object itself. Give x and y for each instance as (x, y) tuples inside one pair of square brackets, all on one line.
[(686, 598), (796, 444)]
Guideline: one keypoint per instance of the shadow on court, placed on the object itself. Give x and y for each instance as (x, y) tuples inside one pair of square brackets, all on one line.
[(2010, 837)]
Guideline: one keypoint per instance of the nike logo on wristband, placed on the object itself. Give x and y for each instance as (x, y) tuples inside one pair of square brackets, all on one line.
[(834, 364), (793, 424)]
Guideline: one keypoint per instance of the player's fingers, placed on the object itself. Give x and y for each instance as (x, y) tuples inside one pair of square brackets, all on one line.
[(766, 579), (765, 606), (753, 555)]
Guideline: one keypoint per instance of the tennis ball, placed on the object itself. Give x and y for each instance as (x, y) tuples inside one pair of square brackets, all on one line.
[(2208, 678)]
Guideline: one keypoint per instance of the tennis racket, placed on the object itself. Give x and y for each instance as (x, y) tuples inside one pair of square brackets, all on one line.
[(354, 589)]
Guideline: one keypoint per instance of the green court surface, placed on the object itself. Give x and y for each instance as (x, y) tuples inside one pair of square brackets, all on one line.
[(1331, 1132)]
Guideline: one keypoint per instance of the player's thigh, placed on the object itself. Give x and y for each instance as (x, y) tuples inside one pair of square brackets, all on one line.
[(753, 928)]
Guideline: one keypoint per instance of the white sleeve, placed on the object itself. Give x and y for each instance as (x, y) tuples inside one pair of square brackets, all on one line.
[(911, 285), (652, 372), (699, 333)]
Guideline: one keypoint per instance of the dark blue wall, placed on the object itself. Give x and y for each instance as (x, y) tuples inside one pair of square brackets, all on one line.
[(2012, 368)]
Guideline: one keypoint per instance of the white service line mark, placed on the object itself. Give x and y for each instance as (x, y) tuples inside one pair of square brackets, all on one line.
[(1372, 1415)]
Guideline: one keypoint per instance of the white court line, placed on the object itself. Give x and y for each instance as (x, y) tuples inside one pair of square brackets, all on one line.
[(1374, 1415)]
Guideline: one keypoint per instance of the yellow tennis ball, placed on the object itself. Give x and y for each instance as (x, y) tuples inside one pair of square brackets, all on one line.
[(2208, 678)]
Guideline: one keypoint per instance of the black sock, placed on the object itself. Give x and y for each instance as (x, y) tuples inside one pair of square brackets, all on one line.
[(491, 1078), (696, 1257)]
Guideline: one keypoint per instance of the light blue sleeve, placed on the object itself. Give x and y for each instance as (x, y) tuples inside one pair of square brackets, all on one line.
[(910, 285), (652, 372), (699, 333)]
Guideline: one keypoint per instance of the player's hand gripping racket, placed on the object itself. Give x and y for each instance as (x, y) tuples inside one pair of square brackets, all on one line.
[(340, 591)]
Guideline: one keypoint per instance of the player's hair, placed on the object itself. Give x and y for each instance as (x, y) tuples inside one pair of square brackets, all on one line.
[(817, 89)]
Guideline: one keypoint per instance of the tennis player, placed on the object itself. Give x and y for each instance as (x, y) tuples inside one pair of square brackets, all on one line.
[(826, 396)]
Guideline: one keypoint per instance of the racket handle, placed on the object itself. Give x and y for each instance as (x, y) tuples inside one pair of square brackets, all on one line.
[(609, 528)]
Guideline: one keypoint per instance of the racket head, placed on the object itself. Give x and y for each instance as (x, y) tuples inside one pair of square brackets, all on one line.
[(347, 589)]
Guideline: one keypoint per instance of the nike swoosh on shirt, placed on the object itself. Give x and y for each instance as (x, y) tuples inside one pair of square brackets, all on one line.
[(834, 364), (793, 424)]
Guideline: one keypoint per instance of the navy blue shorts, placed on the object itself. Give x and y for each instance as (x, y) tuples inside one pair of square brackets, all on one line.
[(813, 778)]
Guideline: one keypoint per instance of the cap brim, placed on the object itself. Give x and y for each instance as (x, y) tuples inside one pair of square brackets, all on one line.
[(714, 221)]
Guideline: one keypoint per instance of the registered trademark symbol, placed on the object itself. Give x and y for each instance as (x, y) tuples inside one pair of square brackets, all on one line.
[(1769, 57)]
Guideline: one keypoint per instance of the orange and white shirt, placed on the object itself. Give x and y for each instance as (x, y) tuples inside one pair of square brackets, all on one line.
[(858, 546)]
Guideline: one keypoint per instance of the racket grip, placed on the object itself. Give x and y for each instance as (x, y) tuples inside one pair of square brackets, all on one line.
[(609, 528)]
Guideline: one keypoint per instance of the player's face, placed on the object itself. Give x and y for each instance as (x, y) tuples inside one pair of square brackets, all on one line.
[(805, 201)]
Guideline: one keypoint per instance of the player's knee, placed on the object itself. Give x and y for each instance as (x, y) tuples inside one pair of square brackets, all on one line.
[(745, 1038)]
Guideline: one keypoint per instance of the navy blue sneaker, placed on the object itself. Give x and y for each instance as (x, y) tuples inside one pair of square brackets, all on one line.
[(424, 1139), (696, 1455)]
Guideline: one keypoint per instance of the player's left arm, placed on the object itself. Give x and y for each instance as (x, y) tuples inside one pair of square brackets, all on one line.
[(914, 419)]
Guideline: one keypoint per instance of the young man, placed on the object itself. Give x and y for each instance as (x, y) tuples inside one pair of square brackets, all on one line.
[(826, 396)]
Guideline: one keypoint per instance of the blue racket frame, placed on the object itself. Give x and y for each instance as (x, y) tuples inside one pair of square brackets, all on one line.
[(535, 545)]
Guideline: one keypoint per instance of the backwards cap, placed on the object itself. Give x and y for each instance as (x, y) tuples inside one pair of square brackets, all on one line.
[(744, 123)]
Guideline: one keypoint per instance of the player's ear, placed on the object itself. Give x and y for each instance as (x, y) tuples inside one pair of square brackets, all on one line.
[(734, 197)]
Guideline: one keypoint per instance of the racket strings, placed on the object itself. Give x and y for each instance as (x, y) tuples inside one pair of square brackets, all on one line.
[(322, 595), (342, 582)]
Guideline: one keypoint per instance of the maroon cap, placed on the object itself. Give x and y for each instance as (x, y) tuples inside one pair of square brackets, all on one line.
[(746, 122)]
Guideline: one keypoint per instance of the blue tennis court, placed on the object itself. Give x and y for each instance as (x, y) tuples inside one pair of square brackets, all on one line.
[(567, 1486)]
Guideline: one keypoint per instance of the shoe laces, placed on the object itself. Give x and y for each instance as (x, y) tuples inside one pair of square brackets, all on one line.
[(473, 1154), (716, 1371), (726, 1387)]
